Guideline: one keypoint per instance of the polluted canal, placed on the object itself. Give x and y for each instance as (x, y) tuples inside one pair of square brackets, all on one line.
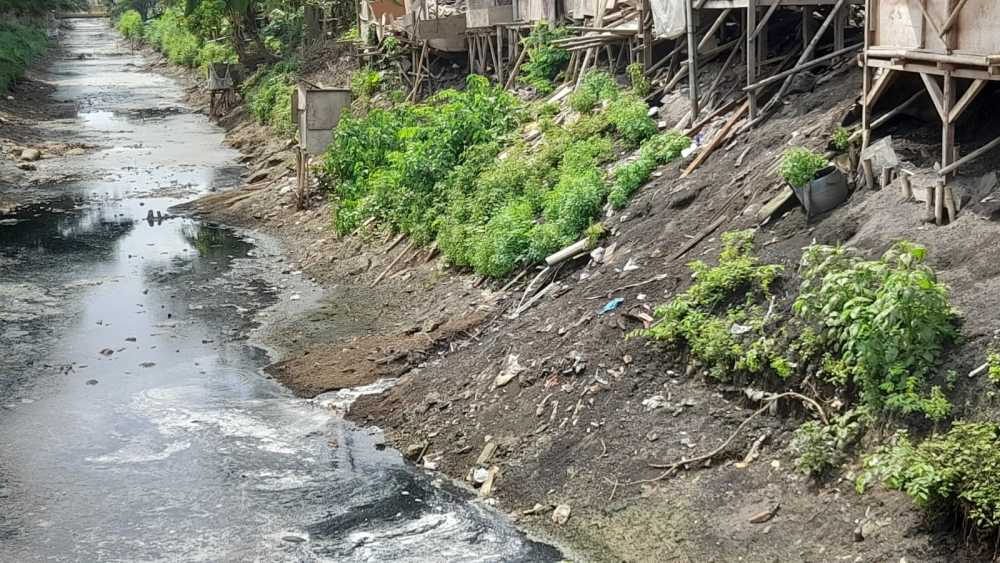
[(135, 421)]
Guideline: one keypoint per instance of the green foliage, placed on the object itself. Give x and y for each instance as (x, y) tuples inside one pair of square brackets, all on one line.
[(886, 320), (821, 447), (958, 471), (544, 60), (365, 82), (20, 44), (214, 52), (637, 77), (169, 34), (268, 95), (799, 165), (629, 115), (841, 138), (130, 25), (597, 86), (655, 151), (350, 34), (710, 319), (993, 367)]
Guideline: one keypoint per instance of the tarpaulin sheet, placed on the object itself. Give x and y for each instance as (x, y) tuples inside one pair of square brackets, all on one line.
[(668, 18)]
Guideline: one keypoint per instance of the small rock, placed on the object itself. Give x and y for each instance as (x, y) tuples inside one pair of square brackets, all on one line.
[(480, 475), (293, 539), (76, 152), (31, 155), (27, 166), (147, 364), (561, 514), (652, 436), (91, 382), (107, 352), (510, 371), (654, 402), (764, 516)]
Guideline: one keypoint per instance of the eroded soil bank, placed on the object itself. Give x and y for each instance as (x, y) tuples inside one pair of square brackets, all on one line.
[(136, 422), (569, 413)]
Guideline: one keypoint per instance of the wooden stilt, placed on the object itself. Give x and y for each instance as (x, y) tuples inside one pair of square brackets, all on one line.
[(692, 26), (752, 31)]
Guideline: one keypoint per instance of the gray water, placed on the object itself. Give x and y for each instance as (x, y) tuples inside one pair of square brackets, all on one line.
[(135, 422)]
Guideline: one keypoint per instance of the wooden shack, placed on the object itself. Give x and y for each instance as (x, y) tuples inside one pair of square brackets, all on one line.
[(952, 45)]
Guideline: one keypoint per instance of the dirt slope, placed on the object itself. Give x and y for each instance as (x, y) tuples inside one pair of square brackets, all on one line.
[(578, 421)]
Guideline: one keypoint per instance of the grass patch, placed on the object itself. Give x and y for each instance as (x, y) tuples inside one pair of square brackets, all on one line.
[(20, 44), (544, 61), (268, 94)]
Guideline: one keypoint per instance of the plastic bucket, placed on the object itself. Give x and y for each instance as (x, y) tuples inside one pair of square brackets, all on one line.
[(824, 193)]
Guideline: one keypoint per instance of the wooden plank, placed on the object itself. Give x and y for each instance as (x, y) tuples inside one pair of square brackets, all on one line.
[(883, 82), (970, 157), (967, 98), (718, 140)]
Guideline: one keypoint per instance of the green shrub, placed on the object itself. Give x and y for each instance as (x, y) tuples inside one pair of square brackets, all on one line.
[(268, 95), (544, 60), (629, 115), (993, 367), (169, 35), (20, 44), (705, 316), (886, 320), (365, 82), (821, 447), (129, 24), (596, 86), (214, 52), (799, 166), (841, 138), (637, 77), (655, 151), (957, 472)]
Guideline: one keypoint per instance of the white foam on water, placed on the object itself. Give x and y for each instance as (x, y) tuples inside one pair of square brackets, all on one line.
[(139, 453), (341, 400)]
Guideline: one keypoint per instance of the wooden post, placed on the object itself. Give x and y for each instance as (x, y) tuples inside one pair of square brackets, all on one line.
[(692, 27), (866, 81), (906, 189), (751, 53), (947, 126), (939, 203)]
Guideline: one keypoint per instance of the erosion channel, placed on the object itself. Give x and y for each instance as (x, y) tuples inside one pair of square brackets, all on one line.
[(135, 421)]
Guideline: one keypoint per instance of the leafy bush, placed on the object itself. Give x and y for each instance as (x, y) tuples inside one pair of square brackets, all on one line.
[(841, 138), (596, 86), (993, 367), (629, 115), (269, 97), (637, 76), (655, 151), (20, 44), (800, 165), (888, 320), (955, 472), (718, 334), (821, 447), (365, 82), (544, 60), (169, 35), (130, 25), (214, 52)]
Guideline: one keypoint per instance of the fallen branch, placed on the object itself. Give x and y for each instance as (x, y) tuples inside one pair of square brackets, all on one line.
[(391, 265), (656, 278), (701, 236), (671, 468)]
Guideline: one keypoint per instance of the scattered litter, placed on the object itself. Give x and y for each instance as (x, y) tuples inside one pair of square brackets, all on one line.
[(612, 305), (510, 371), (654, 402), (561, 514), (738, 329)]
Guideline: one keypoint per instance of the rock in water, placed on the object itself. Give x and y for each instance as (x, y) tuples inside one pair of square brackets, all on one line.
[(31, 155)]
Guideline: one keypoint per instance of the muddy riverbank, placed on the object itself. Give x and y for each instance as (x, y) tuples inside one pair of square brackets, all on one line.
[(136, 422)]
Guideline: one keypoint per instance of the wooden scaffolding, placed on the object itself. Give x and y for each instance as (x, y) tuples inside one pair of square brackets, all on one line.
[(954, 47), (710, 34)]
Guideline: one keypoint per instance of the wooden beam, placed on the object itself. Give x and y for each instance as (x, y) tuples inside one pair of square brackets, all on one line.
[(880, 86), (715, 27), (923, 8), (751, 54), (967, 98), (767, 17), (952, 18), (936, 95), (692, 57), (969, 157), (795, 70)]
